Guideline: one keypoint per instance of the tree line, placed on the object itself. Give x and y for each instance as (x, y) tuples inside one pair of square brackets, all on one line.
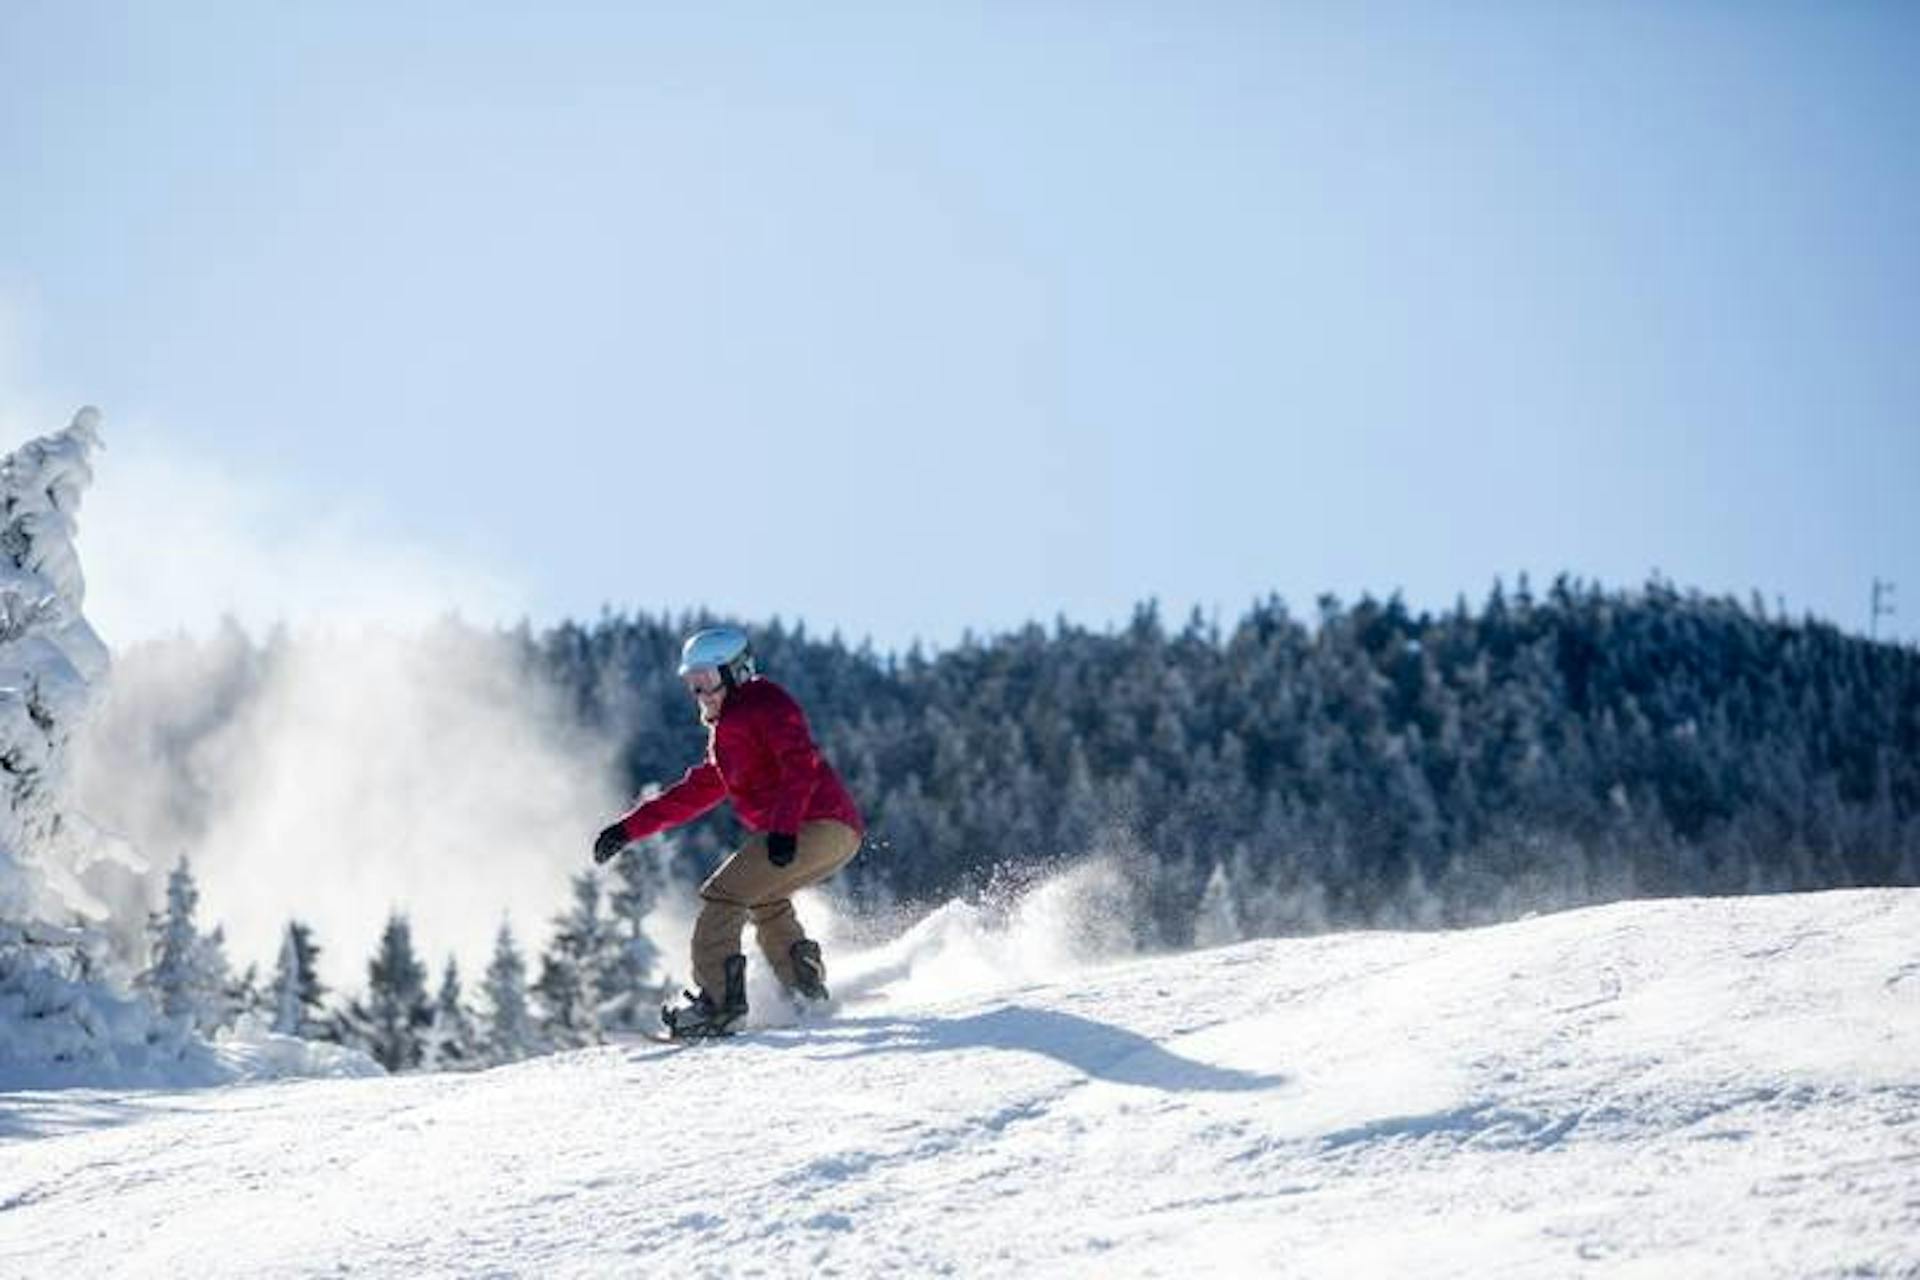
[(1369, 766), (596, 974)]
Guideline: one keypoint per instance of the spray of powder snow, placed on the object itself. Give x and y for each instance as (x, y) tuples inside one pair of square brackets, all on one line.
[(1036, 930), (1034, 933), (334, 777), (365, 758)]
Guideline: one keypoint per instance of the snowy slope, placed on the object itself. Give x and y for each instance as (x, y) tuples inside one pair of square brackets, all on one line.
[(1688, 1088)]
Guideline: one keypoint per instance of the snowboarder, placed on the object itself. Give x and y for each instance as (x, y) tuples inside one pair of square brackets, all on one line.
[(803, 827)]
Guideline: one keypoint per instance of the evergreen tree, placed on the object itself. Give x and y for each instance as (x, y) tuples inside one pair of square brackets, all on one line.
[(188, 976), (67, 1018), (452, 1044), (573, 969), (297, 996), (392, 1022), (510, 1034), (566, 1015)]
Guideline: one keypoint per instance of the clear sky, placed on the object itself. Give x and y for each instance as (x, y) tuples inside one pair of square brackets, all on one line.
[(903, 319)]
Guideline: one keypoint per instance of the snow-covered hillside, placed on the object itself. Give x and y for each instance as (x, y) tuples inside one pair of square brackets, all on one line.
[(1686, 1088)]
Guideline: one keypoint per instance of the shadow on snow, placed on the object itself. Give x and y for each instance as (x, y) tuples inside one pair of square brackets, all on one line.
[(1095, 1049), (52, 1114)]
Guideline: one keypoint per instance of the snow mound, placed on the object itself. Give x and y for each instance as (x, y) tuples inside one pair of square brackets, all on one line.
[(251, 1051), (61, 1027)]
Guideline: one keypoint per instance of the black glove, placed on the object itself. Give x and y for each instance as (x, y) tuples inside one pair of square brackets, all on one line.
[(610, 842), (781, 846)]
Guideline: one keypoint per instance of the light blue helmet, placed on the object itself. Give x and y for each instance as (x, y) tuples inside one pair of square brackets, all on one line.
[(722, 649)]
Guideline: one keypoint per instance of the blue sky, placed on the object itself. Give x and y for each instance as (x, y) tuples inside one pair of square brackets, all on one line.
[(907, 319)]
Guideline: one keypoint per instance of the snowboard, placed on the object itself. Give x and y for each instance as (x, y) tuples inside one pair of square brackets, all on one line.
[(660, 1035), (803, 1016)]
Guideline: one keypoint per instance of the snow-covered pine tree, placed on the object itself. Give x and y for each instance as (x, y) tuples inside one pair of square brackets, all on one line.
[(297, 995), (452, 1042), (392, 1022), (187, 976), (630, 984), (572, 969), (510, 1034), (64, 1018), (565, 1012)]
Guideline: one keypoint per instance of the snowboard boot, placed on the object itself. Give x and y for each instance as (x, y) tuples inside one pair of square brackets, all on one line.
[(702, 1017), (809, 971)]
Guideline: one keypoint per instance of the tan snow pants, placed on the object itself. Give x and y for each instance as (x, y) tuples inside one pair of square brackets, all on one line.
[(748, 885)]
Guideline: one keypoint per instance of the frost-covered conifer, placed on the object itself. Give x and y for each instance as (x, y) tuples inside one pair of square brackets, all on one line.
[(573, 969), (391, 1024), (64, 1018), (297, 995), (452, 1042), (566, 1015), (510, 1034), (187, 975)]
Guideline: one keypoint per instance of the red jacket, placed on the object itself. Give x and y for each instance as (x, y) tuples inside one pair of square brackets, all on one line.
[(761, 756)]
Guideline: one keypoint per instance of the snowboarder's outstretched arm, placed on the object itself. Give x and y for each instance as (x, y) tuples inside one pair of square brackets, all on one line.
[(698, 790)]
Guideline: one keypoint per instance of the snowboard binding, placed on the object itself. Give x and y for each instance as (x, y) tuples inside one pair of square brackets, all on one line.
[(701, 1017)]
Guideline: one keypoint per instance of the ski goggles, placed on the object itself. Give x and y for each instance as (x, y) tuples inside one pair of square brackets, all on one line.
[(704, 683)]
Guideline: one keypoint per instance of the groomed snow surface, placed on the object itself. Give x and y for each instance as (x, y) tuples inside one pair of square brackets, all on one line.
[(1674, 1089)]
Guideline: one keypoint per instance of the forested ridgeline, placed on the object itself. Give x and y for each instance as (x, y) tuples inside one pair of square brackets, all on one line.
[(1367, 766)]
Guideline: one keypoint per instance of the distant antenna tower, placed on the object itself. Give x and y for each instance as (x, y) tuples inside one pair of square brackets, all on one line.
[(1882, 606)]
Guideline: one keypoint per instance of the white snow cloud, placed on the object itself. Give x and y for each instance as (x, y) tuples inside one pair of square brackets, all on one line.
[(350, 772)]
